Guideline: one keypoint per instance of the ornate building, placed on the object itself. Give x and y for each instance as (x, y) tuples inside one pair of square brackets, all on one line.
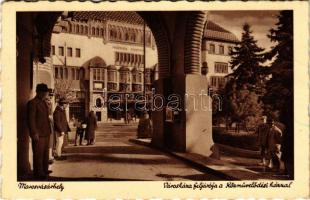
[(99, 54)]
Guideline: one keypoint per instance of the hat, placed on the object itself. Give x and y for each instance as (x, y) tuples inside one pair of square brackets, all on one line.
[(41, 88), (269, 120), (63, 101)]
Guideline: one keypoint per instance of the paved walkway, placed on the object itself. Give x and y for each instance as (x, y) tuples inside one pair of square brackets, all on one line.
[(114, 158)]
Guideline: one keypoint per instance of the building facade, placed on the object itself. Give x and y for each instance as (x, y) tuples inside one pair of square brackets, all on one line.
[(216, 45), (96, 56)]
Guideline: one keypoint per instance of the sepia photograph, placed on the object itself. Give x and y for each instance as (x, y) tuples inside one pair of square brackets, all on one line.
[(167, 100), (98, 98)]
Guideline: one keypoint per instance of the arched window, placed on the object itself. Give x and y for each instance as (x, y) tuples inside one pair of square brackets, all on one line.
[(86, 30), (93, 31), (82, 29), (98, 103), (126, 36), (101, 32), (70, 28), (97, 31), (77, 29), (119, 34)]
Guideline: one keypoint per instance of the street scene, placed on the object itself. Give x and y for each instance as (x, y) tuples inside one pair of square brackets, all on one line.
[(155, 96)]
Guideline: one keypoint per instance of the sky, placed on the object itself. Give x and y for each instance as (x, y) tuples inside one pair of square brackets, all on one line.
[(260, 21)]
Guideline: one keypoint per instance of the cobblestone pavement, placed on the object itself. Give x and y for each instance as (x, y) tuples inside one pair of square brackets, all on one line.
[(114, 158)]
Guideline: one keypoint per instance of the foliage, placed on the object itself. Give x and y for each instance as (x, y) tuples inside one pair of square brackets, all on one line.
[(63, 90), (280, 86), (246, 60)]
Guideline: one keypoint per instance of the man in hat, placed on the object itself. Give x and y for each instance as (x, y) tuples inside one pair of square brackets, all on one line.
[(61, 126), (274, 144), (262, 134), (39, 127)]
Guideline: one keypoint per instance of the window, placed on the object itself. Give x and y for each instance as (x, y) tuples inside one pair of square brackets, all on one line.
[(73, 74), (94, 74), (77, 29), (65, 73), (212, 48), (217, 81), (61, 51), (221, 50), (116, 57), (53, 50), (93, 31), (86, 30), (82, 29), (78, 52), (229, 49), (111, 76), (56, 72), (221, 68), (101, 32), (70, 28), (69, 52), (61, 73), (77, 74)]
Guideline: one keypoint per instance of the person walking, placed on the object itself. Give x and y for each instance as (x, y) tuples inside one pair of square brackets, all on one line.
[(61, 127), (40, 130), (145, 127), (90, 128), (274, 145), (79, 132), (262, 134)]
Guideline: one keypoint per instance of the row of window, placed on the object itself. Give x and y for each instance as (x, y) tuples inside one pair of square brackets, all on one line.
[(216, 49), (217, 81), (72, 73), (128, 58), (221, 68), (116, 33), (99, 75), (83, 29), (68, 53), (129, 35)]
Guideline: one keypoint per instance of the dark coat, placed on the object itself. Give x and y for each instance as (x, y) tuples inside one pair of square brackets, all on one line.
[(262, 133), (38, 120), (91, 127), (60, 121)]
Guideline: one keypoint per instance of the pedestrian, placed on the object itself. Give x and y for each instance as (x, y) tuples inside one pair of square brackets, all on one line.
[(90, 128), (79, 132), (52, 142), (274, 145), (61, 126), (40, 130), (262, 131), (145, 127)]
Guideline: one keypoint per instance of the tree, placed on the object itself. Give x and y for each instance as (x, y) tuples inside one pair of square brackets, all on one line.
[(246, 60), (243, 106), (63, 89), (279, 88)]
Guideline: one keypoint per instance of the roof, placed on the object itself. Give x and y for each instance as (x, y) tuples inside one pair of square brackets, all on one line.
[(123, 16), (214, 31)]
